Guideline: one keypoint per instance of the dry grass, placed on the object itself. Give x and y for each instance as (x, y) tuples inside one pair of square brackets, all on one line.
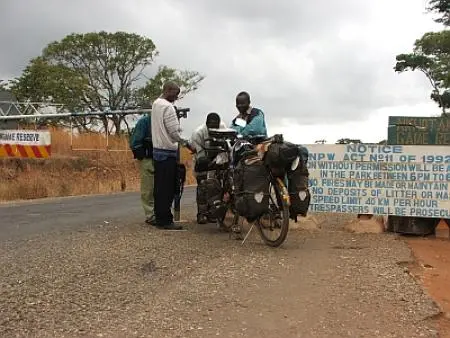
[(78, 166)]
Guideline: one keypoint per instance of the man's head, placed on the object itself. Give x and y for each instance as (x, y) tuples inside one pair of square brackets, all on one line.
[(213, 121), (170, 91), (243, 102)]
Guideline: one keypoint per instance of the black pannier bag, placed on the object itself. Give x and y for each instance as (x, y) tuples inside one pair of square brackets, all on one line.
[(279, 157), (251, 181), (202, 197), (298, 190), (202, 163), (214, 192), (242, 149)]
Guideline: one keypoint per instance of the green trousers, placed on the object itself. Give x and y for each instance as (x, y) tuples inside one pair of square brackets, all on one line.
[(147, 183)]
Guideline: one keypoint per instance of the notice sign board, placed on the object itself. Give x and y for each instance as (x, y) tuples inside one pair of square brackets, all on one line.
[(25, 143), (380, 179)]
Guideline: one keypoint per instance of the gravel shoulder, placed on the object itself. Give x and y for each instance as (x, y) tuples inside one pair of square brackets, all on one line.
[(432, 269), (124, 280)]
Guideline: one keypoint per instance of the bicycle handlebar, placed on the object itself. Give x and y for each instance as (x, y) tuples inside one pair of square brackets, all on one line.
[(251, 137)]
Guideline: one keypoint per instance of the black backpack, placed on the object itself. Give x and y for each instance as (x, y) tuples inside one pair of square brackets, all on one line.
[(139, 153)]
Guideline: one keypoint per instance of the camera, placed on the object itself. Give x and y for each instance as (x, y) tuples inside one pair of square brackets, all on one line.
[(182, 112)]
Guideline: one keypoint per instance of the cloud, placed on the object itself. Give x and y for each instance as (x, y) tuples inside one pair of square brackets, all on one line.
[(310, 63)]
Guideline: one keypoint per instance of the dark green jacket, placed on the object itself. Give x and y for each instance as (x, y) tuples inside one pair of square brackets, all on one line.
[(141, 139)]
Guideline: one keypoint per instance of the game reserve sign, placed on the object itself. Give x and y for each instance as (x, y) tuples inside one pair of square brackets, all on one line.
[(413, 130), (25, 143), (380, 179)]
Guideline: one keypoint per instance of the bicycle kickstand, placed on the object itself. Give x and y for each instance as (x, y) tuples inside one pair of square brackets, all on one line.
[(248, 234)]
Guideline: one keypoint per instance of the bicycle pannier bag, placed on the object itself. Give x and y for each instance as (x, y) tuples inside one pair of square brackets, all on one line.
[(241, 149), (280, 155), (202, 163), (214, 192), (251, 181), (298, 191), (202, 197), (304, 154)]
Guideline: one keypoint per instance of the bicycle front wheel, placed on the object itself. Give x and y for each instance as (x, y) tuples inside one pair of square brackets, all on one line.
[(274, 225)]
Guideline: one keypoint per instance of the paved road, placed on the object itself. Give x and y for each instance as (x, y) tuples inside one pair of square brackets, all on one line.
[(72, 213)]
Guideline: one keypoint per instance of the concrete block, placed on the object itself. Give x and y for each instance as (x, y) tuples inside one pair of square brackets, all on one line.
[(442, 230), (373, 225)]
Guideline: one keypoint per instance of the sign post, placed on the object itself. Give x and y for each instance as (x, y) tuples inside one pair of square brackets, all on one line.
[(178, 190), (25, 144), (181, 171)]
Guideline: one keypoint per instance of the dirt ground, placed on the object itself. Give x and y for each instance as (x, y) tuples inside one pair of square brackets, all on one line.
[(125, 280), (432, 268)]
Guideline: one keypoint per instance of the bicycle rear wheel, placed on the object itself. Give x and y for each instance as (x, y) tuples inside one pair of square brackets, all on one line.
[(274, 225), (227, 217)]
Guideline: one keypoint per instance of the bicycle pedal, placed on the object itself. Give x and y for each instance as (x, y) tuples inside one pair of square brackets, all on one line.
[(236, 235), (236, 229)]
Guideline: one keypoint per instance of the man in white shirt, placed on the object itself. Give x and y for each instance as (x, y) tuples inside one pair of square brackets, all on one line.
[(166, 134), (200, 162)]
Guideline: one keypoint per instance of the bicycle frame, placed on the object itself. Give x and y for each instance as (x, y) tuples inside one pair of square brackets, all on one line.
[(278, 204)]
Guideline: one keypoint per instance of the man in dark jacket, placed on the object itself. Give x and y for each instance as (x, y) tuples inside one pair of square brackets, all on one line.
[(142, 148)]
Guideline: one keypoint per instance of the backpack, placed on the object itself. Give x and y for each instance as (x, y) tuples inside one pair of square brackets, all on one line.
[(141, 152), (131, 137)]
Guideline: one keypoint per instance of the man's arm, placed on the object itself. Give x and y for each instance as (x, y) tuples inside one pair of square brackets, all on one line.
[(194, 142), (255, 127), (197, 141), (236, 127), (172, 123)]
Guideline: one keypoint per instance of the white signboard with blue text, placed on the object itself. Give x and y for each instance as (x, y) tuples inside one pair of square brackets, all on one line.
[(380, 179)]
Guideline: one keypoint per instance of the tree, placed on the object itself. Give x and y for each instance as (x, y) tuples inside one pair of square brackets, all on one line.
[(187, 80), (98, 72), (348, 141), (44, 82), (442, 8), (431, 56), (3, 85)]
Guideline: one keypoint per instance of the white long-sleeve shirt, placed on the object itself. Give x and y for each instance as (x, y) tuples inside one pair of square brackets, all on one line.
[(165, 126), (199, 137)]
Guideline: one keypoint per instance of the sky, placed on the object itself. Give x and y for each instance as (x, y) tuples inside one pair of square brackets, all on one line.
[(318, 69)]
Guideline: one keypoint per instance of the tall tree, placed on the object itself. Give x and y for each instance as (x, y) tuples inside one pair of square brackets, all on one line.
[(442, 9), (431, 56), (98, 72)]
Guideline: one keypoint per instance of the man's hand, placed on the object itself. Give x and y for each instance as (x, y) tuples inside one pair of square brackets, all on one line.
[(186, 144)]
